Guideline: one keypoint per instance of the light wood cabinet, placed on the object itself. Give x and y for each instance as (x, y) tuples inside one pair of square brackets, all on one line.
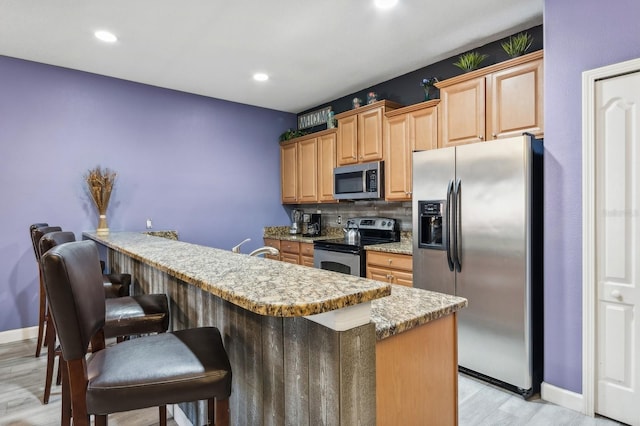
[(360, 133), (306, 165), (463, 113), (294, 252), (306, 254), (417, 375), (307, 177), (271, 242), (413, 128), (326, 164), (289, 172), (515, 105), (390, 267), (502, 100), (290, 251)]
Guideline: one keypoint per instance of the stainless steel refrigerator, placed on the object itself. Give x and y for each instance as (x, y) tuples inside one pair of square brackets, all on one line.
[(477, 233)]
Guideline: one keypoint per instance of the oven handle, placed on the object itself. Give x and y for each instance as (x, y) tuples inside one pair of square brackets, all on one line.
[(335, 249)]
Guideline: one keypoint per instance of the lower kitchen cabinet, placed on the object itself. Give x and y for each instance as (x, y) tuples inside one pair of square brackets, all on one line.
[(392, 268), (290, 252), (306, 254), (270, 242), (417, 375)]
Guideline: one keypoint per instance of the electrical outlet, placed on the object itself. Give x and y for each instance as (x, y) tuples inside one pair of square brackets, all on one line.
[(339, 220), (149, 224)]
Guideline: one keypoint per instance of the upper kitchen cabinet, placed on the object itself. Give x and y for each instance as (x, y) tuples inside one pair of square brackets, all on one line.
[(499, 101), (326, 164), (308, 170), (306, 165), (360, 133), (408, 129), (289, 172)]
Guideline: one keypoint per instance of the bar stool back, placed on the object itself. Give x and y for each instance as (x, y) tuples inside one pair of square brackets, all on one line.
[(125, 315), (42, 311), (156, 370)]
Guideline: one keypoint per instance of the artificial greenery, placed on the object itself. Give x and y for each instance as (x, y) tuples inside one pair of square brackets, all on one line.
[(517, 45), (290, 134), (470, 61)]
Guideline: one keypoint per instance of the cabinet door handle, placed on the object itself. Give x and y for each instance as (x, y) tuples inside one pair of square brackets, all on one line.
[(494, 136), (390, 260), (480, 137)]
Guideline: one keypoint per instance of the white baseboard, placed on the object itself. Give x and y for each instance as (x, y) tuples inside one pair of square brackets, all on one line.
[(18, 334), (178, 415), (562, 397)]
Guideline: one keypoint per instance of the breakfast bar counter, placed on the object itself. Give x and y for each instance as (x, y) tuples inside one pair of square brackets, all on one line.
[(306, 346)]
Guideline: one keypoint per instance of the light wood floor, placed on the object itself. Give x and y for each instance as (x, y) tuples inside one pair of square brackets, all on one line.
[(22, 384)]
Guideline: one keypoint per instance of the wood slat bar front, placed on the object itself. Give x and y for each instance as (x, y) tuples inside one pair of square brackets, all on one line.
[(286, 370)]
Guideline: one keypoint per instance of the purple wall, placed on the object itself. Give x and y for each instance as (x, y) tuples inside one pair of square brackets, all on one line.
[(205, 167), (579, 35)]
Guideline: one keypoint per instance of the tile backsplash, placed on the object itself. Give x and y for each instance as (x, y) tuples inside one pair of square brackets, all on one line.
[(330, 212)]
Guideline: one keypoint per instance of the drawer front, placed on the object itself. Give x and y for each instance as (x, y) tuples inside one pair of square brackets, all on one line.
[(290, 258), (291, 247), (391, 276), (270, 242), (306, 261), (390, 260), (306, 249)]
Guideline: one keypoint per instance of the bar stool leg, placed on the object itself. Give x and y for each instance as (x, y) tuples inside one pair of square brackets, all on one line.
[(50, 338), (163, 415), (66, 395), (41, 316), (222, 412)]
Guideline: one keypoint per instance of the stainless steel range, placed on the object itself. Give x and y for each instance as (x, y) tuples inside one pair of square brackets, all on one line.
[(347, 254)]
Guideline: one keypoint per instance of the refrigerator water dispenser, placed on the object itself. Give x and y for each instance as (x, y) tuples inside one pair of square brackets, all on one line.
[(431, 223)]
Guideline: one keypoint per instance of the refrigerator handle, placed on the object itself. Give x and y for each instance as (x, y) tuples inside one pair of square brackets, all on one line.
[(457, 235), (449, 225)]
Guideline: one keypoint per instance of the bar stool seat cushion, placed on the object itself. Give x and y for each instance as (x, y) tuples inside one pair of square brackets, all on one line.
[(160, 369), (116, 285), (128, 315)]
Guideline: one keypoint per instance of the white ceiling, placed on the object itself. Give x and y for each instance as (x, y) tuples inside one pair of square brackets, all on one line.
[(314, 51)]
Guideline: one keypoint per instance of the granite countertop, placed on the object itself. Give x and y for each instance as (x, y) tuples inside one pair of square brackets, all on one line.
[(401, 247), (282, 233), (296, 237), (404, 246), (263, 286), (409, 307)]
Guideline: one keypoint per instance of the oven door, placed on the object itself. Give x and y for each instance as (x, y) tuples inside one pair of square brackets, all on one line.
[(348, 262)]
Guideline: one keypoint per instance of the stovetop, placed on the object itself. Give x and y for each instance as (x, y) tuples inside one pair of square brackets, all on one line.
[(373, 230)]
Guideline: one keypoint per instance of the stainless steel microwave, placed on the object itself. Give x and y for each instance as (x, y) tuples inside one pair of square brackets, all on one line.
[(359, 181)]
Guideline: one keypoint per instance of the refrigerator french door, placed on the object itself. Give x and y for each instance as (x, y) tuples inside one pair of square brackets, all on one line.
[(477, 210)]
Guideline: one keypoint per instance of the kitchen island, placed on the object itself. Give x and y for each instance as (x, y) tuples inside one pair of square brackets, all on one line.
[(302, 342)]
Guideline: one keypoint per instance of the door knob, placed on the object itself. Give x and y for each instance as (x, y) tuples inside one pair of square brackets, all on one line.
[(616, 294)]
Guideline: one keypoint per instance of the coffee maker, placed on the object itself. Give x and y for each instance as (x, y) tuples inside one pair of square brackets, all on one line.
[(311, 224), (296, 221)]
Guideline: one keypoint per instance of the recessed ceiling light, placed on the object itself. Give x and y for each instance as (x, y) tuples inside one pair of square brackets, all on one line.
[(385, 4), (260, 76), (106, 36)]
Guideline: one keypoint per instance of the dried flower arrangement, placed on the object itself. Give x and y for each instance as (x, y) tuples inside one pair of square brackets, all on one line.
[(100, 184)]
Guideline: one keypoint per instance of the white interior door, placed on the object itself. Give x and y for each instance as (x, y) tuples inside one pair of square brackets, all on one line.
[(617, 219)]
